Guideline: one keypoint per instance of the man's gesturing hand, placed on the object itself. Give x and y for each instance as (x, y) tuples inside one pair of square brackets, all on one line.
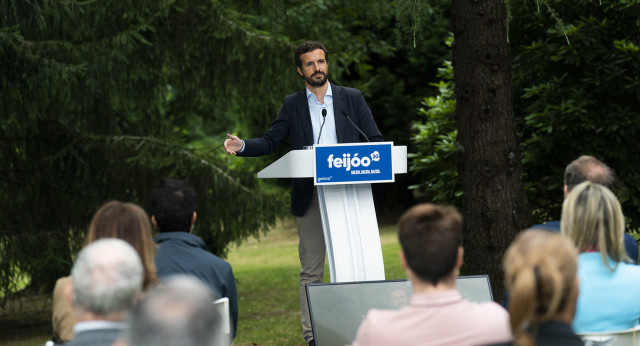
[(232, 144)]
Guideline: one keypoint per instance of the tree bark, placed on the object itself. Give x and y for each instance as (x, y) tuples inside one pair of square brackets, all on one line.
[(494, 204)]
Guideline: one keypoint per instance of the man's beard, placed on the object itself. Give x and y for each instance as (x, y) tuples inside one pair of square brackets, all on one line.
[(315, 83)]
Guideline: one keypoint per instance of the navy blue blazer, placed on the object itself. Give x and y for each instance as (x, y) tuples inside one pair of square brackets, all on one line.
[(186, 253), (294, 122)]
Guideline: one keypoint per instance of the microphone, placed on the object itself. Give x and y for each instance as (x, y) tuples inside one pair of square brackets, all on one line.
[(354, 125), (324, 118)]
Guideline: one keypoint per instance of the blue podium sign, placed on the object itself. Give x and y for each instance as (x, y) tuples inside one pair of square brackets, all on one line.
[(353, 163)]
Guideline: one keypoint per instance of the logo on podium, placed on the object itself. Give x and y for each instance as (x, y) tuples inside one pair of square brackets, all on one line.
[(353, 163)]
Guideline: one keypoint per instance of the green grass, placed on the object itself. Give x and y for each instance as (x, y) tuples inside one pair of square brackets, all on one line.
[(266, 270)]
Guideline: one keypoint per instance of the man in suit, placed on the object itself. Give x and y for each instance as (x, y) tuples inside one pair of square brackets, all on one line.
[(319, 114), (431, 237), (107, 282)]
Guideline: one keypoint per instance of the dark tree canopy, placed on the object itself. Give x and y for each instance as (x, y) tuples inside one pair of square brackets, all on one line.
[(102, 99)]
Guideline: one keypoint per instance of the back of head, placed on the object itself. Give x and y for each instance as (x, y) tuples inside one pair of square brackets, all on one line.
[(588, 168), (306, 47), (430, 236), (130, 223), (107, 277), (181, 312), (540, 273), (592, 217), (173, 202)]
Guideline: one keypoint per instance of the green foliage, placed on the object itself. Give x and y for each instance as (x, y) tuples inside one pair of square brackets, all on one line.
[(434, 161), (578, 99), (101, 100), (570, 100)]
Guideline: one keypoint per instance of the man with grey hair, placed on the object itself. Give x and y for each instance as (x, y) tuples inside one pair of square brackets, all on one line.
[(180, 312), (107, 282)]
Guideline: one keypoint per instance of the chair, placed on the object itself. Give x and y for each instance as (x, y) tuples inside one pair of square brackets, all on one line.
[(627, 337), (222, 306), (337, 309)]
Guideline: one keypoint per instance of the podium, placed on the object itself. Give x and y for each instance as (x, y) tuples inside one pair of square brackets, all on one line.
[(347, 209)]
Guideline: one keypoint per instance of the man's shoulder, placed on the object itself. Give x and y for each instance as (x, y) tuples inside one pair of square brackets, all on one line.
[(337, 89), (549, 225), (292, 97), (179, 237), (97, 337), (485, 314)]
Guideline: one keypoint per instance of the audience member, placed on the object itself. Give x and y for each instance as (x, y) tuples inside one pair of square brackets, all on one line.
[(541, 274), (114, 219), (608, 301), (180, 312), (107, 282), (588, 168), (431, 238), (173, 205)]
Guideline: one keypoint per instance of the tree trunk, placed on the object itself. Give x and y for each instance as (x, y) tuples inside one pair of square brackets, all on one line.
[(494, 204)]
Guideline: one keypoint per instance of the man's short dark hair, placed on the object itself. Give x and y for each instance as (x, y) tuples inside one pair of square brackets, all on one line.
[(173, 202), (306, 47), (588, 168), (430, 236)]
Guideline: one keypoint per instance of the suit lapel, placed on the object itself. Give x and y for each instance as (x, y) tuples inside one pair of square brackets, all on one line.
[(303, 110), (338, 106)]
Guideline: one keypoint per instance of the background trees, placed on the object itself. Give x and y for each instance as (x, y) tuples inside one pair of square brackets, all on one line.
[(579, 98), (569, 100), (101, 99)]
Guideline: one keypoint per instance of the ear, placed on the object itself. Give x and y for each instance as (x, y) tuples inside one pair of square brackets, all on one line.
[(566, 191), (459, 260), (193, 218), (403, 260), (153, 221), (68, 294), (299, 71)]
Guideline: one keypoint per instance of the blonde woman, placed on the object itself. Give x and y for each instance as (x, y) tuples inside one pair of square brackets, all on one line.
[(540, 273), (609, 300), (114, 219)]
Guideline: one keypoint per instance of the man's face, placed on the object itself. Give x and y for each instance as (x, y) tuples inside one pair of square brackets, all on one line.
[(315, 68)]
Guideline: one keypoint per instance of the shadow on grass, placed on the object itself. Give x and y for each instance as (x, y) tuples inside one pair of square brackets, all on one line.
[(26, 321), (266, 271)]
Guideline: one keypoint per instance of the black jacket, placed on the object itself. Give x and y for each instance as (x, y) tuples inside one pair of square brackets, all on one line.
[(294, 122)]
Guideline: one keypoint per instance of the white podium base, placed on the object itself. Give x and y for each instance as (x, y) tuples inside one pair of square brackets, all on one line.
[(351, 232)]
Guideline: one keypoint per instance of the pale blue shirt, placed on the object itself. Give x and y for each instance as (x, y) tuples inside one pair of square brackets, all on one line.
[(328, 135), (608, 300)]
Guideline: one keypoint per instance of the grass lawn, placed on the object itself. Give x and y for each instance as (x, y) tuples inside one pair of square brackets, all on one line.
[(266, 271)]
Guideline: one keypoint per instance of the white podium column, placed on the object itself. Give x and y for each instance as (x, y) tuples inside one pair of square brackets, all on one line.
[(351, 232), (348, 217)]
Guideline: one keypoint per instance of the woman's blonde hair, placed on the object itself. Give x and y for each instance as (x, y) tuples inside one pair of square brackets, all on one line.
[(540, 275), (130, 223), (592, 217)]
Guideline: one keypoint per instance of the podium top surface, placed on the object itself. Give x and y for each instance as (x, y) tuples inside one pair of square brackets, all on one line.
[(299, 164)]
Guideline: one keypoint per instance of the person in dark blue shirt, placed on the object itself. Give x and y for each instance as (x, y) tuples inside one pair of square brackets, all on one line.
[(173, 204)]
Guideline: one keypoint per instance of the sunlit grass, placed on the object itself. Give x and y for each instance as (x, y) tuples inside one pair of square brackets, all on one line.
[(267, 274)]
